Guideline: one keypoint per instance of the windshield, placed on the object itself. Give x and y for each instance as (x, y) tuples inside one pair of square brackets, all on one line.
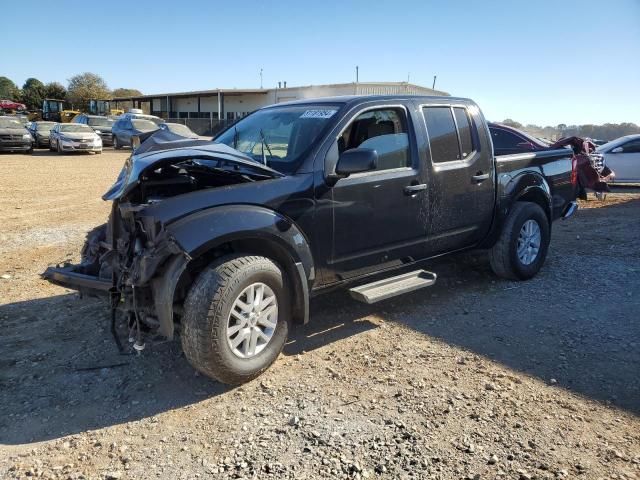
[(100, 122), (44, 126), (144, 125), (76, 127), (179, 129), (9, 123), (279, 136)]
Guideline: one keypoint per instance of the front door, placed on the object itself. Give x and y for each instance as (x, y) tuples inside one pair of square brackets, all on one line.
[(462, 177), (626, 162), (380, 216)]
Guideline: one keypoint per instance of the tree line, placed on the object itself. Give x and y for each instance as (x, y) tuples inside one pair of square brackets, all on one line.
[(607, 131), (79, 90)]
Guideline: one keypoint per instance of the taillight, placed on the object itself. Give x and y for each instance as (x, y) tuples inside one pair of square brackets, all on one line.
[(574, 171)]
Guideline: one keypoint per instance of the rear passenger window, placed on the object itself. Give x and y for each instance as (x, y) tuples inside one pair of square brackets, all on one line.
[(383, 130), (442, 134), (464, 131)]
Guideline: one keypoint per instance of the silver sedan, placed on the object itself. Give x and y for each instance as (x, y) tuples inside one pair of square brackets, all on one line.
[(622, 155)]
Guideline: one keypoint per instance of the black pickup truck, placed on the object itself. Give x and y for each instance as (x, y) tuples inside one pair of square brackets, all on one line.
[(229, 239)]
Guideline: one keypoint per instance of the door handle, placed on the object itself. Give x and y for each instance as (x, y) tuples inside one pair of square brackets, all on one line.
[(413, 189), (480, 177)]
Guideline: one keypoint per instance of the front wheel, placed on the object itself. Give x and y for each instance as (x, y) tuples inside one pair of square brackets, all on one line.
[(236, 318), (116, 143), (522, 247)]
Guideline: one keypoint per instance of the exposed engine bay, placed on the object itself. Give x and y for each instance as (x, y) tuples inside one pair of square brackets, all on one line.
[(125, 257)]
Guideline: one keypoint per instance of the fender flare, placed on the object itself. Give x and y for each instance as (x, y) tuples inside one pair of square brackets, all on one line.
[(208, 229), (531, 186), (525, 186)]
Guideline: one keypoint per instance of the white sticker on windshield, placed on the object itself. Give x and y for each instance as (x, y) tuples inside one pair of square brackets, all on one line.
[(318, 114)]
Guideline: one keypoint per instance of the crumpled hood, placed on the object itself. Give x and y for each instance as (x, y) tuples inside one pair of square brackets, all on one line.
[(180, 151)]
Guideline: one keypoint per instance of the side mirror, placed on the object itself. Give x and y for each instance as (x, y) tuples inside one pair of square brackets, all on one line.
[(356, 160), (617, 150)]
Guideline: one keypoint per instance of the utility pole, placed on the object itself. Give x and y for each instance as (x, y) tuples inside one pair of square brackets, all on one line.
[(261, 79), (433, 87)]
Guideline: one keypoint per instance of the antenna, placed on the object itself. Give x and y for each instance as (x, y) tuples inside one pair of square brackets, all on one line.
[(357, 73), (433, 87), (260, 78), (408, 76)]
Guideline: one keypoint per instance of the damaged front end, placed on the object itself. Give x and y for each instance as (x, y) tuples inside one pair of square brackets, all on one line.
[(133, 260)]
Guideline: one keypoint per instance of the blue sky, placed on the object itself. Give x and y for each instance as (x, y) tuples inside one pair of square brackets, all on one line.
[(542, 61)]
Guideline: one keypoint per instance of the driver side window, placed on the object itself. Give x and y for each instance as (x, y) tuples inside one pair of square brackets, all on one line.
[(383, 130), (631, 147)]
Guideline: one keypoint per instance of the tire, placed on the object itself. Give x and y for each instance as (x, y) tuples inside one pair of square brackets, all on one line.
[(504, 257), (51, 146), (98, 152), (207, 318), (58, 147), (116, 143)]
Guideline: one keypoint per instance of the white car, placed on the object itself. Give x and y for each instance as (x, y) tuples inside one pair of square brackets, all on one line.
[(74, 137), (622, 155)]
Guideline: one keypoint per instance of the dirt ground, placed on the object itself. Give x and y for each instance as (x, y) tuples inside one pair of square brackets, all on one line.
[(473, 378)]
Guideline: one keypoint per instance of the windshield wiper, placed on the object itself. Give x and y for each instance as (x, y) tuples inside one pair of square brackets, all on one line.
[(236, 137), (265, 144)]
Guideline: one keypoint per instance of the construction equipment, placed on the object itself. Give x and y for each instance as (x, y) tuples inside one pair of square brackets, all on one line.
[(103, 107), (58, 110)]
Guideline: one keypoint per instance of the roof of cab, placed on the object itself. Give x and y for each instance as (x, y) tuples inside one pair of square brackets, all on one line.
[(356, 99)]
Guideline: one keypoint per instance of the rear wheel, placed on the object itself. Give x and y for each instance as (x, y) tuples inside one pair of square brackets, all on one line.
[(116, 143), (58, 147), (522, 247), (236, 318)]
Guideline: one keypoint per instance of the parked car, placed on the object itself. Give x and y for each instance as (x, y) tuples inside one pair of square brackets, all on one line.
[(74, 137), (232, 238), (40, 133), (508, 140), (100, 124), (138, 114), (179, 129), (175, 131), (14, 137), (127, 127), (623, 157)]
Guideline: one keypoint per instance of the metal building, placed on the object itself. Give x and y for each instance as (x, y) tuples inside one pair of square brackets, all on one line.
[(206, 111)]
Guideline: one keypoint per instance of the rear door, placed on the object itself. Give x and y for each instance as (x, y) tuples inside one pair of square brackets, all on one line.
[(462, 176), (380, 216)]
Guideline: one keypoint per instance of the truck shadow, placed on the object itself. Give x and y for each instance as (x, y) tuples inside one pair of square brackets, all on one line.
[(60, 372), (573, 323)]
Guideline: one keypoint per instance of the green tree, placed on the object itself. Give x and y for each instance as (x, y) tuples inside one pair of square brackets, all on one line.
[(9, 90), (511, 123), (55, 90), (33, 91), (85, 86), (126, 92)]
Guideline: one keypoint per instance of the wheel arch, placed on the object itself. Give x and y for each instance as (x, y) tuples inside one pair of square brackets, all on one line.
[(525, 187), (210, 234)]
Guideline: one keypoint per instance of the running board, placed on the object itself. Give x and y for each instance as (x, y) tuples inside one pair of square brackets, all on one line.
[(390, 287)]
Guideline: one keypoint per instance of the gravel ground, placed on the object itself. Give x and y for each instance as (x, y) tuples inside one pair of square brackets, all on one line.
[(473, 378)]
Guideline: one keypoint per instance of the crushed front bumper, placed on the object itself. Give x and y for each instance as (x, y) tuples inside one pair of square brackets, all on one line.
[(69, 278)]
